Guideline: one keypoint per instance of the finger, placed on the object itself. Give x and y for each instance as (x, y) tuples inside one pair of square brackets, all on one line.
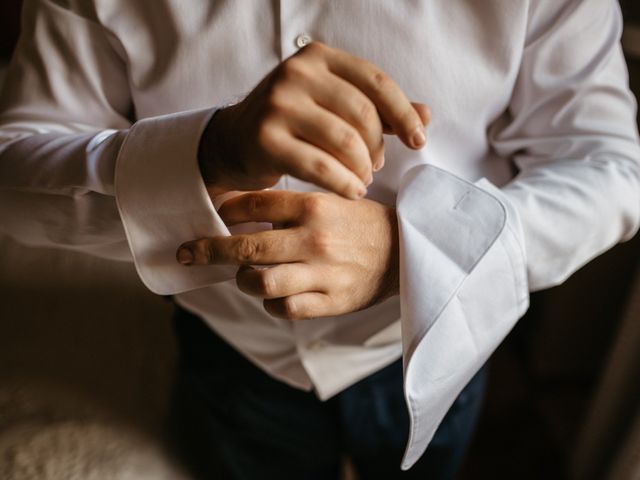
[(329, 132), (314, 165), (353, 106), (391, 102), (272, 206), (279, 281), (301, 306), (423, 111), (262, 248)]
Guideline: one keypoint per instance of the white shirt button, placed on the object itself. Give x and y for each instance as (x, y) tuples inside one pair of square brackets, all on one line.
[(303, 40)]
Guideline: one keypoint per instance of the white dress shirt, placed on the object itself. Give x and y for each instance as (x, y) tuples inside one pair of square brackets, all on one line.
[(531, 169)]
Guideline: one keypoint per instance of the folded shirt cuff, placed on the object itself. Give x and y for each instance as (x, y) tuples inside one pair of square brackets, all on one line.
[(463, 285), (163, 201)]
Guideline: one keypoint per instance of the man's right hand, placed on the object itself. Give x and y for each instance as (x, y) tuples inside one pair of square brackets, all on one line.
[(319, 116)]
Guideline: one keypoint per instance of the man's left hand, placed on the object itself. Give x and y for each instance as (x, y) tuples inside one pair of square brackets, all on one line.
[(325, 256)]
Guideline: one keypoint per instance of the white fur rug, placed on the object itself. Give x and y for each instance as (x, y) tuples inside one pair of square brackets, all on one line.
[(50, 434)]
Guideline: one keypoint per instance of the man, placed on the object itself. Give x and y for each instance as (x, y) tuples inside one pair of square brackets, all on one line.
[(111, 145)]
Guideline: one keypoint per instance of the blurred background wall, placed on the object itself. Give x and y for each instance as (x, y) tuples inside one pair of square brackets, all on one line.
[(82, 342), (86, 359)]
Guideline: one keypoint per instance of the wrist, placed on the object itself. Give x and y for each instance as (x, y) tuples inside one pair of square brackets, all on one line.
[(388, 254), (213, 153), (392, 280)]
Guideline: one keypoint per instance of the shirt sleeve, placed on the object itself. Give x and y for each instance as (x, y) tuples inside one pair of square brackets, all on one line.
[(470, 260), (77, 172)]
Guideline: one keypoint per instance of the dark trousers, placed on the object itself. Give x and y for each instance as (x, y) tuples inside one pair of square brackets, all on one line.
[(237, 422)]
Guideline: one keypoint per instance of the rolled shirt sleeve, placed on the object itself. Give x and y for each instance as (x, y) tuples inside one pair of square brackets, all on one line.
[(470, 258)]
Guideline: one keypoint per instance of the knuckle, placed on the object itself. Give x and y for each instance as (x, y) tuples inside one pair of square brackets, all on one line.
[(246, 249), (348, 140), (210, 251), (289, 309), (367, 112), (351, 187), (313, 205), (266, 136), (278, 98), (294, 70), (380, 80), (254, 203), (267, 283), (321, 244), (319, 167)]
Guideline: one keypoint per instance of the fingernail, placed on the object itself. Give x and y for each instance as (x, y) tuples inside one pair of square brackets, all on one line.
[(369, 180), (361, 193), (185, 256), (379, 164), (418, 139)]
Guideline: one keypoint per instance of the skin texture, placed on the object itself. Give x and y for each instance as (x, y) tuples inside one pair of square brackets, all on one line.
[(332, 255), (319, 116)]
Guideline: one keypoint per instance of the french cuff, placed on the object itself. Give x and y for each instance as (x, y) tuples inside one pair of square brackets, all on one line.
[(463, 285), (163, 201)]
